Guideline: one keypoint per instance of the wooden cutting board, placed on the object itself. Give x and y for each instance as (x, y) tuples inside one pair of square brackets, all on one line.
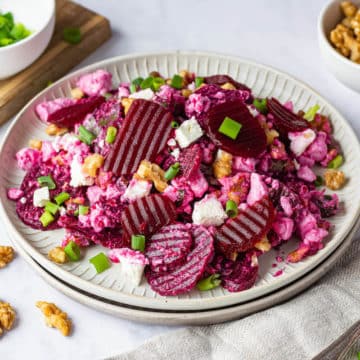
[(58, 58)]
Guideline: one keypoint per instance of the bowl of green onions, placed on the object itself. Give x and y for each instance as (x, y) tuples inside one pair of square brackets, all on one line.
[(26, 28)]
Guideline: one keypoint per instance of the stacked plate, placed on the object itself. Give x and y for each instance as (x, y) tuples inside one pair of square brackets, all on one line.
[(108, 291)]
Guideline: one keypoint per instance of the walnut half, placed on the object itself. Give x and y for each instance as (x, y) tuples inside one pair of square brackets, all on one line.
[(334, 179), (6, 255), (7, 316), (54, 317)]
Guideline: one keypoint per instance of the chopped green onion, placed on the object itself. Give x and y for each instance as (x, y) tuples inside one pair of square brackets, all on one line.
[(137, 81), (46, 181), (138, 242), (336, 162), (231, 208), (83, 210), (61, 198), (46, 218), (157, 83), (9, 31), (6, 41), (100, 262), (72, 35), (85, 135), (319, 181), (198, 81), (72, 250), (230, 128), (175, 124), (172, 171), (209, 283), (133, 88), (177, 82), (261, 105), (19, 32), (310, 114), (51, 208), (147, 83), (111, 134)]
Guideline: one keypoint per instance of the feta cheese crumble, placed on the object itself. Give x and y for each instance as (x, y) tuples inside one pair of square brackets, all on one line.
[(188, 132), (78, 177), (41, 196), (208, 211), (146, 94), (137, 189), (301, 140)]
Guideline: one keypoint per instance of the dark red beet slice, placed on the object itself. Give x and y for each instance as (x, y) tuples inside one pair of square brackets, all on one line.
[(285, 120), (190, 160), (143, 135), (73, 114), (223, 79), (251, 140), (184, 278), (241, 275), (168, 247), (242, 232), (147, 215)]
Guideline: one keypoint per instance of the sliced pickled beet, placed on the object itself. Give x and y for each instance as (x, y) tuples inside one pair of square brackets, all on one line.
[(190, 160), (250, 141), (147, 215), (241, 233), (223, 79), (168, 247), (285, 120), (143, 135), (75, 113), (184, 277)]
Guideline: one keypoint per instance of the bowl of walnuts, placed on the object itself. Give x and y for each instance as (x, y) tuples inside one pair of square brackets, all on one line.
[(339, 40)]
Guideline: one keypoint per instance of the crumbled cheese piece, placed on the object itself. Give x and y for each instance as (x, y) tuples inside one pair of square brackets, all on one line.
[(137, 189), (188, 132), (175, 153), (78, 177), (301, 140), (23, 200), (41, 196), (208, 211), (146, 94)]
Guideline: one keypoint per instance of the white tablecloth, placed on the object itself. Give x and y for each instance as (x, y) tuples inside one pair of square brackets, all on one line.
[(279, 33)]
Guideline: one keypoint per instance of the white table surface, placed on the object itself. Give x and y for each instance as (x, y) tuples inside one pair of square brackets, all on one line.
[(279, 33)]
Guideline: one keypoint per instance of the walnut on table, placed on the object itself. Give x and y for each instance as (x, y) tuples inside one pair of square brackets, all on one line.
[(7, 317), (334, 179), (55, 318), (6, 255)]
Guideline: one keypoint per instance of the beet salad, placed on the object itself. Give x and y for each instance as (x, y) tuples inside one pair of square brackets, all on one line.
[(187, 180)]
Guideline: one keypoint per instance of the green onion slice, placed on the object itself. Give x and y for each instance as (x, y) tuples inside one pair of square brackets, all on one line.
[(72, 250), (261, 105), (100, 262), (46, 218), (72, 35), (111, 134), (61, 198), (157, 83), (138, 242), (175, 124), (336, 162), (85, 135), (230, 128), (46, 181), (177, 82), (172, 171), (209, 283), (198, 81), (133, 88), (231, 208), (83, 210), (147, 83), (51, 208), (310, 114)]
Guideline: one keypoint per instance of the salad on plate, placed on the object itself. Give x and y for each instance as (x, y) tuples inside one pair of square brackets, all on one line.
[(187, 180)]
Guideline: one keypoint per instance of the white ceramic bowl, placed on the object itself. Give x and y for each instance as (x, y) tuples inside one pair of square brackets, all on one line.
[(342, 68), (39, 17)]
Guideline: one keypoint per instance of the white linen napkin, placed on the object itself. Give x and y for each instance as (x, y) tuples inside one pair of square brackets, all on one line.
[(298, 329)]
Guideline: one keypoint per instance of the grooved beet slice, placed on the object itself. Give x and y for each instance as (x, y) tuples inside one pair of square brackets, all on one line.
[(184, 278), (143, 135), (285, 120), (75, 113), (190, 160), (147, 215), (248, 227), (251, 140), (168, 247), (241, 275), (223, 79)]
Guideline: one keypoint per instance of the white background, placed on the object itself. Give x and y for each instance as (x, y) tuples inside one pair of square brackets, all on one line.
[(278, 33)]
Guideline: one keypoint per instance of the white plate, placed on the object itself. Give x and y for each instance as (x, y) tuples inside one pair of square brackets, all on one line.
[(206, 317), (264, 81)]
